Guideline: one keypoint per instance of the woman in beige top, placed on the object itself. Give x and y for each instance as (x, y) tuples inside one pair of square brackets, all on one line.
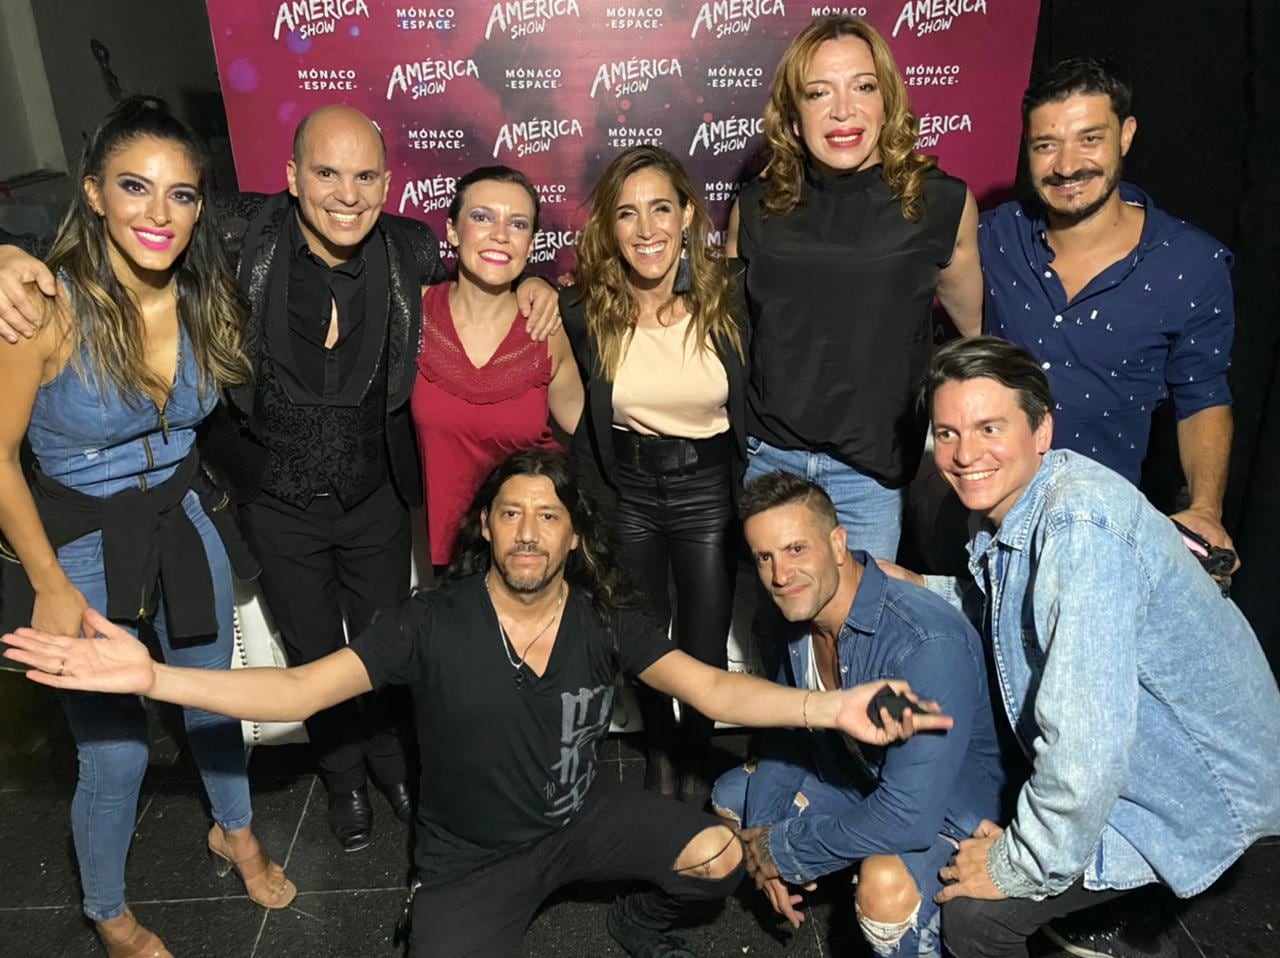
[(657, 334)]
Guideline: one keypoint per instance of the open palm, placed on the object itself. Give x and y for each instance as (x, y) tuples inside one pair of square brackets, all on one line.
[(113, 662)]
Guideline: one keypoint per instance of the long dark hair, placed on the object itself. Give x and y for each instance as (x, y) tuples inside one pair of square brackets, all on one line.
[(595, 566), (105, 317)]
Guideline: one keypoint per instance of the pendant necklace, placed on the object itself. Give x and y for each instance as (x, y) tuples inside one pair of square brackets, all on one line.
[(508, 646)]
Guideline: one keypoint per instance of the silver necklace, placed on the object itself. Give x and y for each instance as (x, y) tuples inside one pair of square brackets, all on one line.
[(508, 646)]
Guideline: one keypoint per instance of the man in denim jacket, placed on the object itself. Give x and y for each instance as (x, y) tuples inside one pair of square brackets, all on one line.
[(1139, 694), (815, 802)]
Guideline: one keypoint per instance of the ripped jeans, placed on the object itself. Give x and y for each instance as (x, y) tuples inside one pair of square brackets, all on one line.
[(768, 786)]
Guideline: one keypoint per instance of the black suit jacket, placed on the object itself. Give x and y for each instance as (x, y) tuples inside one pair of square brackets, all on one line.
[(592, 446), (251, 225)]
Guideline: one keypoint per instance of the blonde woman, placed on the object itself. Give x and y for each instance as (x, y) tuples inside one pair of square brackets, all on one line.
[(846, 239), (661, 347)]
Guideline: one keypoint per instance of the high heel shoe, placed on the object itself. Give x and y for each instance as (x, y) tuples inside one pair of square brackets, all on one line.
[(264, 880), (135, 942)]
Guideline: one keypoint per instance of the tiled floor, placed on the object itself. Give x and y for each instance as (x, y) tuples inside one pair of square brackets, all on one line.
[(347, 904)]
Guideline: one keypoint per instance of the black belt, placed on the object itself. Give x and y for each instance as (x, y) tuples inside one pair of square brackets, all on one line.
[(670, 455)]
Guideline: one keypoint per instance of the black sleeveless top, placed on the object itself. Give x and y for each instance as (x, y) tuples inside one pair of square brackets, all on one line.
[(840, 292)]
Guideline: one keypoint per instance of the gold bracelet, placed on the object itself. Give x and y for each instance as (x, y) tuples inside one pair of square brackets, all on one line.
[(804, 710)]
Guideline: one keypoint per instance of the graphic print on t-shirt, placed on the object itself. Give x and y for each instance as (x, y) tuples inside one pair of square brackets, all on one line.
[(584, 719)]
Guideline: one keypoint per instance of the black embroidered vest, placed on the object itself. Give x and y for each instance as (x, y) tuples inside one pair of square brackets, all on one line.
[(316, 449), (315, 446)]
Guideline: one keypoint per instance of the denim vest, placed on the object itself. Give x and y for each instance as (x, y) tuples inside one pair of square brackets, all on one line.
[(1138, 691), (97, 443)]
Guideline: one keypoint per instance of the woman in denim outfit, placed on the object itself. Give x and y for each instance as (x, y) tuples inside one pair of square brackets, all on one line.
[(118, 515)]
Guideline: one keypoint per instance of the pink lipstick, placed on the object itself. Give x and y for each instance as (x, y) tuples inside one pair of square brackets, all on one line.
[(153, 239)]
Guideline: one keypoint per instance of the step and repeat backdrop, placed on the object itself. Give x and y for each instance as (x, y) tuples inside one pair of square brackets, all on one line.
[(558, 87)]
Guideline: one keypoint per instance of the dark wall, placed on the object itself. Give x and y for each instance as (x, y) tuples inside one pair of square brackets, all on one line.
[(1207, 100)]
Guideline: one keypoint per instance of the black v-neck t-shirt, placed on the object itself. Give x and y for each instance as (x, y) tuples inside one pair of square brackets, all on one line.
[(840, 292), (502, 764)]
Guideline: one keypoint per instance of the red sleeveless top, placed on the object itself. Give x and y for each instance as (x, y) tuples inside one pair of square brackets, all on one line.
[(469, 419)]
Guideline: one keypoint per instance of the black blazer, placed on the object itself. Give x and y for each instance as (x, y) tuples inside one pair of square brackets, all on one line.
[(593, 438), (250, 225)]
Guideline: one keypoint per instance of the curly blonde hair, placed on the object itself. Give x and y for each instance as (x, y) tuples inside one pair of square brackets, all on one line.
[(611, 305), (903, 168)]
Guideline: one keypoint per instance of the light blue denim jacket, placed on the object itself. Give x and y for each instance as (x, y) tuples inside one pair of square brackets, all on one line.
[(1140, 694)]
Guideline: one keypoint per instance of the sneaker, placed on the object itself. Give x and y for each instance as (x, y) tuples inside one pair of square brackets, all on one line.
[(641, 942), (1119, 939)]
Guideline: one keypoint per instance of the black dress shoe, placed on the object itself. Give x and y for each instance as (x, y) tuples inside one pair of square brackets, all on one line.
[(351, 818), (400, 800)]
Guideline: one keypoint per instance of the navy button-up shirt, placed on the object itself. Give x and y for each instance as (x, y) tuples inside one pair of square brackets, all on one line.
[(1157, 323)]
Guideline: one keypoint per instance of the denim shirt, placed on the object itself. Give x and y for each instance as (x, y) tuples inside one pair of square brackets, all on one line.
[(92, 440), (1139, 693), (934, 783)]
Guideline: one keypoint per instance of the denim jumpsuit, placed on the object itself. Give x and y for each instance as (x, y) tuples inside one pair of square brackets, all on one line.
[(94, 441)]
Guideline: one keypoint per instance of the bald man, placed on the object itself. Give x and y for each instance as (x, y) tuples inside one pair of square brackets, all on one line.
[(319, 449)]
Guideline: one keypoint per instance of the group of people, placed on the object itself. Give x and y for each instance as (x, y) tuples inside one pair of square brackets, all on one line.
[(264, 386)]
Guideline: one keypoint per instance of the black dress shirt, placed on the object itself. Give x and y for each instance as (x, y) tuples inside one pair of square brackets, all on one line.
[(321, 375)]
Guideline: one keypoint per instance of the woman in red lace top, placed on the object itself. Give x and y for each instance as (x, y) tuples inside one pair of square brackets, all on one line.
[(484, 387)]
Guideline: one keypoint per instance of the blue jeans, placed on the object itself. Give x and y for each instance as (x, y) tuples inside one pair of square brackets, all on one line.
[(111, 731), (778, 791), (870, 513)]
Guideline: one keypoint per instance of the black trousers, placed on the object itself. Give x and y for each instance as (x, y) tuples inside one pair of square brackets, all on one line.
[(681, 528), (622, 835), (999, 929), (319, 565)]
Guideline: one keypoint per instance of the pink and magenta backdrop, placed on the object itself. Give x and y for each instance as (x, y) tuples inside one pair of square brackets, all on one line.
[(558, 87)]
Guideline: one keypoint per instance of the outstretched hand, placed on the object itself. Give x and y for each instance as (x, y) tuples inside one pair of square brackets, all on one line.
[(852, 716), (113, 662)]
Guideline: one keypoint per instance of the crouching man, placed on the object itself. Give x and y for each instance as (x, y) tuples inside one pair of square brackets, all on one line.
[(1138, 693), (512, 665), (816, 801)]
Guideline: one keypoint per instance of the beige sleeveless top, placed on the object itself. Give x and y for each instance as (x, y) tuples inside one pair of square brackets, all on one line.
[(665, 387)]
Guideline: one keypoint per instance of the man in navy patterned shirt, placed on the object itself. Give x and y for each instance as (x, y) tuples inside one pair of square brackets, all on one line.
[(1124, 305)]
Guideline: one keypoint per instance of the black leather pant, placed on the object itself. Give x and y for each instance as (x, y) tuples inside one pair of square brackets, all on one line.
[(681, 528)]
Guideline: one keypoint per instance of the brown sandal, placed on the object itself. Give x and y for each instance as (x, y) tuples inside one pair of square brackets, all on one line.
[(264, 880), (138, 943)]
